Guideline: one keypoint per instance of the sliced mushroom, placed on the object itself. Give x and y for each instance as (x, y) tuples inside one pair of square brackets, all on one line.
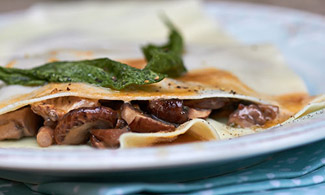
[(171, 111), (19, 123), (74, 127), (54, 109), (247, 116), (198, 113), (207, 103), (139, 122), (9, 130), (270, 112), (96, 142), (45, 136), (120, 124), (106, 138)]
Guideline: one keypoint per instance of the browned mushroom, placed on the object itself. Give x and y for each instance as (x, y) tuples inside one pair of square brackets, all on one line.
[(45, 136), (96, 142), (9, 130), (139, 122), (207, 103), (54, 109), (74, 127), (19, 123), (171, 111), (120, 124), (198, 113), (270, 112), (106, 138), (247, 116)]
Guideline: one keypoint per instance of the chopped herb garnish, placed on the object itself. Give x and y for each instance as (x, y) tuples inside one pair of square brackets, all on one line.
[(163, 61)]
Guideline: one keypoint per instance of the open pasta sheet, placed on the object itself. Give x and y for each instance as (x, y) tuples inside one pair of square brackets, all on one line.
[(218, 67)]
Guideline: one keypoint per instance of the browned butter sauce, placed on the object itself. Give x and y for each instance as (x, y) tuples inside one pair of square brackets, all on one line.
[(289, 105), (11, 64), (136, 63), (219, 79)]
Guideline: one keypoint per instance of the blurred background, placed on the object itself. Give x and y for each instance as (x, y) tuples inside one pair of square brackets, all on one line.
[(315, 6)]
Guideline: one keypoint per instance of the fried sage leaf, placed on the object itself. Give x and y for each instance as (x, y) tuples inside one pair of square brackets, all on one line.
[(166, 59), (101, 72)]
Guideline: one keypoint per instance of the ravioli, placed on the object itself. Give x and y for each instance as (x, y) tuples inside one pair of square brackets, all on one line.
[(198, 84)]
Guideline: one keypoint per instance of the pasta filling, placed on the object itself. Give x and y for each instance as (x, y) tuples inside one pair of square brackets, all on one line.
[(74, 120)]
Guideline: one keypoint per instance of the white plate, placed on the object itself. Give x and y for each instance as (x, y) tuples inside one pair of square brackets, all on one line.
[(57, 164)]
